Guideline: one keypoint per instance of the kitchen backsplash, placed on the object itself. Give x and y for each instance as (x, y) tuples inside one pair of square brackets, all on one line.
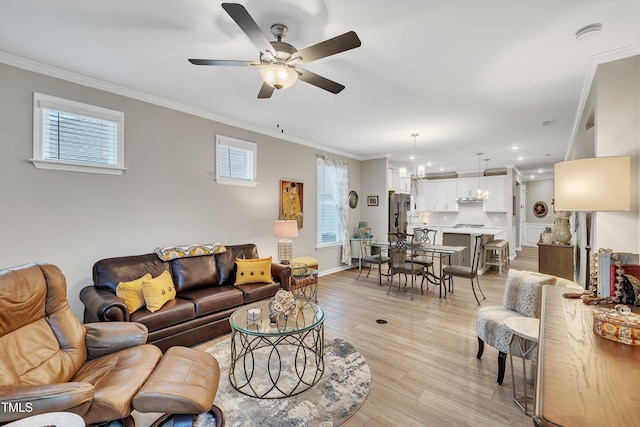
[(467, 214)]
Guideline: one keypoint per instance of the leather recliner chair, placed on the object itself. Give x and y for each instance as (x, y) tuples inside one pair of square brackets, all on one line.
[(51, 362)]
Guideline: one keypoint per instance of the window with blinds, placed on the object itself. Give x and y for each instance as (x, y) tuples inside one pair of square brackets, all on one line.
[(330, 230), (235, 161), (69, 135)]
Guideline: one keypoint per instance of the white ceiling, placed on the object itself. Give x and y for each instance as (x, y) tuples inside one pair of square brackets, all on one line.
[(469, 76)]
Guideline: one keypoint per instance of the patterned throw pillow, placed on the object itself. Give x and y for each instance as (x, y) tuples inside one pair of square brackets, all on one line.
[(253, 271), (173, 252), (131, 293), (158, 291)]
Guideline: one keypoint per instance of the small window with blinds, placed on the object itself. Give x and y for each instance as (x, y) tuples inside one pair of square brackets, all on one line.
[(235, 161), (329, 228), (77, 137)]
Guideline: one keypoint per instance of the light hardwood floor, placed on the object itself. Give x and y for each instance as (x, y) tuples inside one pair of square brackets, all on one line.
[(424, 370)]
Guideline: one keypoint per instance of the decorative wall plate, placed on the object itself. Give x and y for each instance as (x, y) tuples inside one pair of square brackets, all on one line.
[(353, 199), (540, 209)]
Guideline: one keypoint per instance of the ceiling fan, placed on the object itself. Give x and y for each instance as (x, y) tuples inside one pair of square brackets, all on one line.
[(279, 60)]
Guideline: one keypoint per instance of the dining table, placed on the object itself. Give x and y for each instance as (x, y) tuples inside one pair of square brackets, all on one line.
[(440, 251)]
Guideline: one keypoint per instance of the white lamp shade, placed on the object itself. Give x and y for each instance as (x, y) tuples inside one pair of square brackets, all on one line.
[(596, 184), (285, 229), (278, 76)]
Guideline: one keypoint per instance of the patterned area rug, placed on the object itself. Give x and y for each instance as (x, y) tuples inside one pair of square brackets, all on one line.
[(338, 395)]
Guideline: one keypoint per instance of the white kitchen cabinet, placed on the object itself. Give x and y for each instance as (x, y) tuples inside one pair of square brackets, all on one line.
[(405, 185), (441, 195), (397, 183), (497, 187), (423, 196), (467, 187)]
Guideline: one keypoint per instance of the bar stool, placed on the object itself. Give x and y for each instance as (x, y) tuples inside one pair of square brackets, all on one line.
[(496, 253), (525, 342)]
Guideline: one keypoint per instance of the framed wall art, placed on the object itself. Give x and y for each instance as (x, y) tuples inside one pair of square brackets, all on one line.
[(291, 200), (372, 200), (540, 209)]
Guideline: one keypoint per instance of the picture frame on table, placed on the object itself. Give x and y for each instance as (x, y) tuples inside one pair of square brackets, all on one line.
[(372, 200)]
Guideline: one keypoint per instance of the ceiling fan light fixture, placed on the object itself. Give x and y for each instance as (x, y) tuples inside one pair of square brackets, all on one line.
[(278, 76)]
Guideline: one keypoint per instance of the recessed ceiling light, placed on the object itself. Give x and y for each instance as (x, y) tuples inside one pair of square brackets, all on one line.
[(520, 158), (412, 157), (589, 32), (540, 170), (532, 176), (441, 169), (515, 147)]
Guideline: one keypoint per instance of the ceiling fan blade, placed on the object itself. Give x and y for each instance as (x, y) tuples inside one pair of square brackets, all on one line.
[(319, 81), (223, 62), (326, 48), (265, 91), (238, 13)]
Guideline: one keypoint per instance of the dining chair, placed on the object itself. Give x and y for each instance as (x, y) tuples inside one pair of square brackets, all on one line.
[(471, 272), (426, 236), (371, 255), (401, 260)]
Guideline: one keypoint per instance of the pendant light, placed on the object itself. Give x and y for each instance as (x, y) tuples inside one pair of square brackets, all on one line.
[(486, 186), (415, 145), (479, 191), (414, 176)]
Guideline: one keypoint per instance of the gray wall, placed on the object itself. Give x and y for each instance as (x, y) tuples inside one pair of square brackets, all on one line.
[(374, 183), (167, 196), (541, 190)]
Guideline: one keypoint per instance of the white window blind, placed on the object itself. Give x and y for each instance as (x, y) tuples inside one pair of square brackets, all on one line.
[(235, 161), (69, 135), (76, 138), (330, 230)]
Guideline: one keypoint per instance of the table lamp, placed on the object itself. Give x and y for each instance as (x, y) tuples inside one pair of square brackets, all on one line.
[(590, 185), (285, 229)]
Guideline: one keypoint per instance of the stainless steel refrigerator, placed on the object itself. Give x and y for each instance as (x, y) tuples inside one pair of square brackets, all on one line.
[(399, 207)]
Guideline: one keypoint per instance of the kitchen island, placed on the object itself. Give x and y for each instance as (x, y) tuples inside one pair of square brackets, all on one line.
[(464, 235)]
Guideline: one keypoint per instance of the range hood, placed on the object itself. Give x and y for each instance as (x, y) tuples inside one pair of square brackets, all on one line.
[(470, 200)]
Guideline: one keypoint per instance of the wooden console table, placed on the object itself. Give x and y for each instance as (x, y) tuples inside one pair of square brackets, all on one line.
[(556, 260), (582, 379)]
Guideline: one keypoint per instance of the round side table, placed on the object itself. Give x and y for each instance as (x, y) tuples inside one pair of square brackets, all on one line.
[(525, 339), (304, 282), (66, 419)]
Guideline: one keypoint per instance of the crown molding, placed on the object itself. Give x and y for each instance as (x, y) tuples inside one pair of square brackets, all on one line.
[(93, 83)]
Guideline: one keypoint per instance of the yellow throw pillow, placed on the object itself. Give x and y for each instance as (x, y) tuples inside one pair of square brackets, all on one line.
[(253, 271), (131, 293), (158, 291)]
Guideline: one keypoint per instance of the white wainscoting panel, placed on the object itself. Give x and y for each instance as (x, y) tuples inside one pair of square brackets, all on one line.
[(533, 233)]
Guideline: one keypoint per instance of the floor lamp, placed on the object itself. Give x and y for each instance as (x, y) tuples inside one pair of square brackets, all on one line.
[(591, 185), (285, 229)]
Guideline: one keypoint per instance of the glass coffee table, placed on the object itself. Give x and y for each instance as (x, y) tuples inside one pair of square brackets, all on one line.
[(276, 360)]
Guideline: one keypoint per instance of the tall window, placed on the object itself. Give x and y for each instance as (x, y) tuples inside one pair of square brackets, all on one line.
[(69, 135), (333, 201), (235, 161)]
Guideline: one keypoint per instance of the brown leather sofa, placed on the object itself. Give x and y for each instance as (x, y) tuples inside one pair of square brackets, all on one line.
[(51, 362), (206, 295)]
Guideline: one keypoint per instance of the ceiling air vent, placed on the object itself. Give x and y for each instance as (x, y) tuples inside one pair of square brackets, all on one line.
[(548, 123)]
